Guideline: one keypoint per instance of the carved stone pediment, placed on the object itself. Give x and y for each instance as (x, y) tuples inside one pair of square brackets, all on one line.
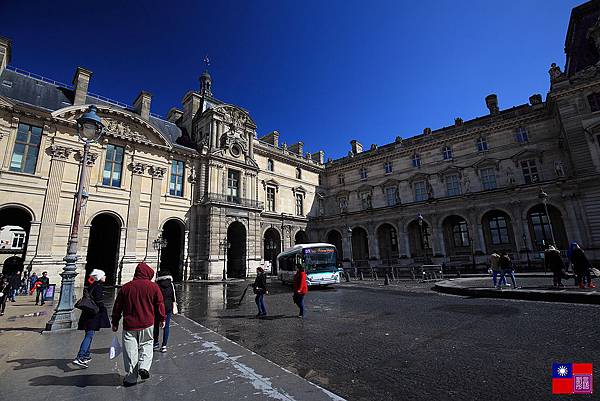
[(487, 162), (527, 154), (449, 170)]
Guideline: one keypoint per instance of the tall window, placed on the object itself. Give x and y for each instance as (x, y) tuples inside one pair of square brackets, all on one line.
[(18, 241), (522, 136), (298, 173), (416, 160), (341, 179), (447, 153), (270, 199), (233, 185), (499, 230), (541, 228), (113, 166), (299, 205), (387, 167), (460, 234), (391, 196), (420, 191), (27, 147), (270, 165), (530, 171), (176, 183), (452, 185), (363, 173), (488, 178), (482, 144)]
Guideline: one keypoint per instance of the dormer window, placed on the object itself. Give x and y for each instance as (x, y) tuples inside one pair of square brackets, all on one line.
[(363, 173), (482, 144), (416, 160), (447, 153)]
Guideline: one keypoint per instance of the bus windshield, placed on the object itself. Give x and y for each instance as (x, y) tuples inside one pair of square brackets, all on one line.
[(319, 259)]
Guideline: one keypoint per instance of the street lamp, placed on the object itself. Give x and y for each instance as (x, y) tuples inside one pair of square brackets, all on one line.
[(420, 221), (544, 198), (89, 129), (158, 244), (351, 255), (271, 249), (225, 244), (471, 240), (527, 252)]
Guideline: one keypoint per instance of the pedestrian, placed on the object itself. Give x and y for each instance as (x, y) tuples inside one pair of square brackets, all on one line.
[(495, 267), (506, 268), (23, 288), (554, 263), (581, 266), (300, 289), (91, 322), (41, 285), (138, 301), (32, 279), (165, 283), (260, 289), (15, 284), (4, 289)]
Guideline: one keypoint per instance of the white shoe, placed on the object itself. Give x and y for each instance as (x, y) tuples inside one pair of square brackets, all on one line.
[(81, 363)]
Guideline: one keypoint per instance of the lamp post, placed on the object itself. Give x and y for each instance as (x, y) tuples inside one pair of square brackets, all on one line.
[(158, 244), (420, 221), (271, 248), (527, 252), (225, 244), (544, 198), (89, 129), (351, 255), (472, 236)]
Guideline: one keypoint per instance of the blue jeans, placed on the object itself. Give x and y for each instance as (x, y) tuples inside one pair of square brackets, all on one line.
[(495, 274), (86, 344), (299, 300), (260, 303), (509, 273), (13, 293), (166, 331)]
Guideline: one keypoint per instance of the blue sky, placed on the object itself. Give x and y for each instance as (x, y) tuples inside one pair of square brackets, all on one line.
[(323, 72)]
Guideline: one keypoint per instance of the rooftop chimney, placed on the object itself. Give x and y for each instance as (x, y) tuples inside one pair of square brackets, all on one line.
[(81, 81), (174, 114), (141, 105), (319, 157), (297, 148), (5, 53), (535, 99), (271, 138), (356, 147), (492, 103)]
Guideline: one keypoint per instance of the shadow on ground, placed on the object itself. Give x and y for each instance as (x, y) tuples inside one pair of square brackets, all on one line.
[(30, 363), (89, 380)]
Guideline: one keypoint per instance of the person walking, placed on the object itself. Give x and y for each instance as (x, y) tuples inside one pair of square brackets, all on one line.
[(581, 266), (554, 263), (495, 267), (15, 284), (260, 289), (4, 289), (506, 268), (165, 283), (42, 284), (300, 289), (138, 301), (91, 322), (32, 279)]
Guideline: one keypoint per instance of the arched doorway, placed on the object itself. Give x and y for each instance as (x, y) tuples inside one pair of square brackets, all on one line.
[(388, 244), (171, 257), (540, 230), (419, 238), (272, 248), (301, 237), (457, 236), (103, 247), (360, 246), (15, 223), (335, 238), (236, 251), (498, 232)]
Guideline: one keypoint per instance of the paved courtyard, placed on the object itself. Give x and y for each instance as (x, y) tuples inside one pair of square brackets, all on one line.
[(406, 343)]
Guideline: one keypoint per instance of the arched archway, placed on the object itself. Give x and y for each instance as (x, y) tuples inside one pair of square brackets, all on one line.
[(171, 257), (419, 238), (540, 230), (457, 236), (301, 237), (103, 246), (388, 244), (498, 231), (335, 238), (272, 247), (360, 245), (236, 252), (15, 224)]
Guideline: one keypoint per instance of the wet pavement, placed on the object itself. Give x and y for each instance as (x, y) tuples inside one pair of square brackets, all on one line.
[(408, 343)]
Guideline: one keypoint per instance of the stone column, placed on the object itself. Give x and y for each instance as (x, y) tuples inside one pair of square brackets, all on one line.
[(157, 174), (201, 182), (251, 144), (213, 134), (186, 261), (133, 215), (59, 155), (219, 133)]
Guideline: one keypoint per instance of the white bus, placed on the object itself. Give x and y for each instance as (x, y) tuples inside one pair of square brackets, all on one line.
[(319, 261)]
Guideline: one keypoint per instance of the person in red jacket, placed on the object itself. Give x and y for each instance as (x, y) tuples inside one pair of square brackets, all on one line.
[(300, 289), (137, 301)]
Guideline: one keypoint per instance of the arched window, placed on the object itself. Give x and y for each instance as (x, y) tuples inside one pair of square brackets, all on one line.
[(416, 160), (460, 234), (270, 165), (447, 153)]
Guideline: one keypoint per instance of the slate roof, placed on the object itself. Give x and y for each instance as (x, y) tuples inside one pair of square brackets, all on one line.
[(51, 95)]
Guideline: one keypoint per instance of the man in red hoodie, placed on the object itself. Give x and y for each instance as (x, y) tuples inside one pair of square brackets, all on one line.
[(138, 301)]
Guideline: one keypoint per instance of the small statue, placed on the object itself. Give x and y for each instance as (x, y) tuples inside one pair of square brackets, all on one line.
[(343, 203), (554, 72), (559, 169), (510, 177), (467, 184)]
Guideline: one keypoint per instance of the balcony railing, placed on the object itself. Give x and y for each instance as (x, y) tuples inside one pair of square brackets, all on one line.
[(231, 200)]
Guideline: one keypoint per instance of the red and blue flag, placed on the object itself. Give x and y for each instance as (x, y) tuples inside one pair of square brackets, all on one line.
[(572, 378)]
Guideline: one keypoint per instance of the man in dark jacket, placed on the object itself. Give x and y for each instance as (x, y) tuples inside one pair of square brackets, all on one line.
[(554, 263), (15, 284), (137, 301), (44, 282)]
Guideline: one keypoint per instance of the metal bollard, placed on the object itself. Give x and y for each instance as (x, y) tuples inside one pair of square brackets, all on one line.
[(361, 276), (347, 277), (387, 280), (376, 278)]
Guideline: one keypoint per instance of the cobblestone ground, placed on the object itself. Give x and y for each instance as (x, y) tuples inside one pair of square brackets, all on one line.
[(406, 342)]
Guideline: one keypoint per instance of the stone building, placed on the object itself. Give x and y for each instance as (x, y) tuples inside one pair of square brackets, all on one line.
[(227, 199)]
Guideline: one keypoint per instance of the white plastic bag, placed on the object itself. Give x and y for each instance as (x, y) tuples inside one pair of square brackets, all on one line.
[(115, 348)]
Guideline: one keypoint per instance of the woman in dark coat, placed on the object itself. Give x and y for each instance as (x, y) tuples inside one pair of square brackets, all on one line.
[(581, 266), (165, 283), (4, 289), (90, 322), (553, 262)]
